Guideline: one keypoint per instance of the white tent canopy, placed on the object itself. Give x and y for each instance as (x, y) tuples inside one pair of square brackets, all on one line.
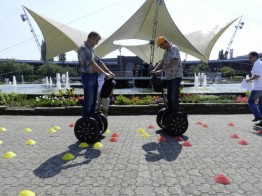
[(61, 38), (198, 44)]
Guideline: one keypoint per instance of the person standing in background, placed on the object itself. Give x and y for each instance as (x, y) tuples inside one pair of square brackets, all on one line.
[(256, 93), (104, 101)]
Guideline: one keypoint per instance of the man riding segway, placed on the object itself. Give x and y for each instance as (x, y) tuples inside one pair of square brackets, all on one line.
[(174, 121), (92, 124)]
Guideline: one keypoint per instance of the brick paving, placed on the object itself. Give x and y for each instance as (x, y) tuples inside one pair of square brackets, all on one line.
[(133, 165)]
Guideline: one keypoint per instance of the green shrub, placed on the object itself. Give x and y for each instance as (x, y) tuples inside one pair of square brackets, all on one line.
[(144, 101), (68, 98), (2, 99), (122, 100), (195, 98), (13, 99)]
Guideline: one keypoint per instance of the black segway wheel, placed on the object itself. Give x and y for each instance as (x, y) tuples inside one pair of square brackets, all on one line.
[(159, 117), (162, 117), (86, 130), (177, 124), (102, 121)]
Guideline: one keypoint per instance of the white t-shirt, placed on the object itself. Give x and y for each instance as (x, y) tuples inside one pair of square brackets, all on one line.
[(257, 70), (104, 101), (101, 80)]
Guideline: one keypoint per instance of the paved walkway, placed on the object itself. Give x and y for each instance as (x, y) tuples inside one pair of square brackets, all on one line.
[(133, 165)]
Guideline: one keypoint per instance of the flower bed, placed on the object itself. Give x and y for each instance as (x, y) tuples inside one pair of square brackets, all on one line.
[(68, 98)]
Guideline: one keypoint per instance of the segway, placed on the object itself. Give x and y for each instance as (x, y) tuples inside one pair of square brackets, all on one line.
[(89, 129), (175, 124)]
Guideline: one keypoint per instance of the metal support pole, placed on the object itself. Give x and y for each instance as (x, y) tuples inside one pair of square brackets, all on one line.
[(152, 41), (121, 60)]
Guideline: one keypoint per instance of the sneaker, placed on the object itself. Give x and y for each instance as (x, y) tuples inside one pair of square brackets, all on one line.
[(257, 119), (259, 124)]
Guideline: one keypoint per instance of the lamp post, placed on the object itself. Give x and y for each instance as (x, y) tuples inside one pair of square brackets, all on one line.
[(121, 60), (238, 26)]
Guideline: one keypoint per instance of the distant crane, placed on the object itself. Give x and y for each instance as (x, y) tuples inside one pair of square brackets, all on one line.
[(238, 26), (25, 18)]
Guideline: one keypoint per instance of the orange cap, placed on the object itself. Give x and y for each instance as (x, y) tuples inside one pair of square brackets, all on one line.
[(160, 40)]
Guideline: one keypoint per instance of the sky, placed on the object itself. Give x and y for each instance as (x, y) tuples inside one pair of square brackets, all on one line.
[(106, 16)]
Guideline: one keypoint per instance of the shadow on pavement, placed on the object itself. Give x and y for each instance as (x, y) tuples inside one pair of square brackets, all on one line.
[(167, 150), (56, 164)]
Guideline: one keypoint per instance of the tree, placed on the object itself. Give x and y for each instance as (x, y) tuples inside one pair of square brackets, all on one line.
[(62, 58), (50, 70), (241, 73), (25, 70), (43, 51), (10, 68), (70, 70), (222, 55), (228, 71), (201, 67)]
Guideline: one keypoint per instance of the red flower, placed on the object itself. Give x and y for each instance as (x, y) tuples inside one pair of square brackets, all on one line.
[(240, 99)]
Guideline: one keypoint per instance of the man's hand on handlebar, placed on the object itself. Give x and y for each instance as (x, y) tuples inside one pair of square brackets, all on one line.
[(109, 75), (157, 73)]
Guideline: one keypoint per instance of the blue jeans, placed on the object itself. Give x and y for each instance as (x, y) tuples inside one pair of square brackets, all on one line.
[(255, 109), (90, 86), (173, 94)]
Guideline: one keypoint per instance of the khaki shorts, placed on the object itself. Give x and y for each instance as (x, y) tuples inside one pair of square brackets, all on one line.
[(104, 102)]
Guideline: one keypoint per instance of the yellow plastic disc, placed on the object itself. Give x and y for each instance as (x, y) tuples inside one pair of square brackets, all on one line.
[(51, 130), (27, 130), (26, 193), (1, 142), (9, 155), (107, 131), (145, 135), (2, 129), (140, 130), (30, 142), (56, 127), (98, 145), (83, 145), (68, 156)]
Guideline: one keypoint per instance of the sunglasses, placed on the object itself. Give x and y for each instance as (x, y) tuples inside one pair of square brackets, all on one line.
[(250, 57)]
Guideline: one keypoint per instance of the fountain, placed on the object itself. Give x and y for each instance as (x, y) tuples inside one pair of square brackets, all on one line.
[(14, 81), (216, 79), (22, 79), (50, 82), (58, 80), (200, 80), (204, 81), (196, 81), (45, 81), (63, 78), (7, 81), (47, 87), (44, 87), (67, 86)]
